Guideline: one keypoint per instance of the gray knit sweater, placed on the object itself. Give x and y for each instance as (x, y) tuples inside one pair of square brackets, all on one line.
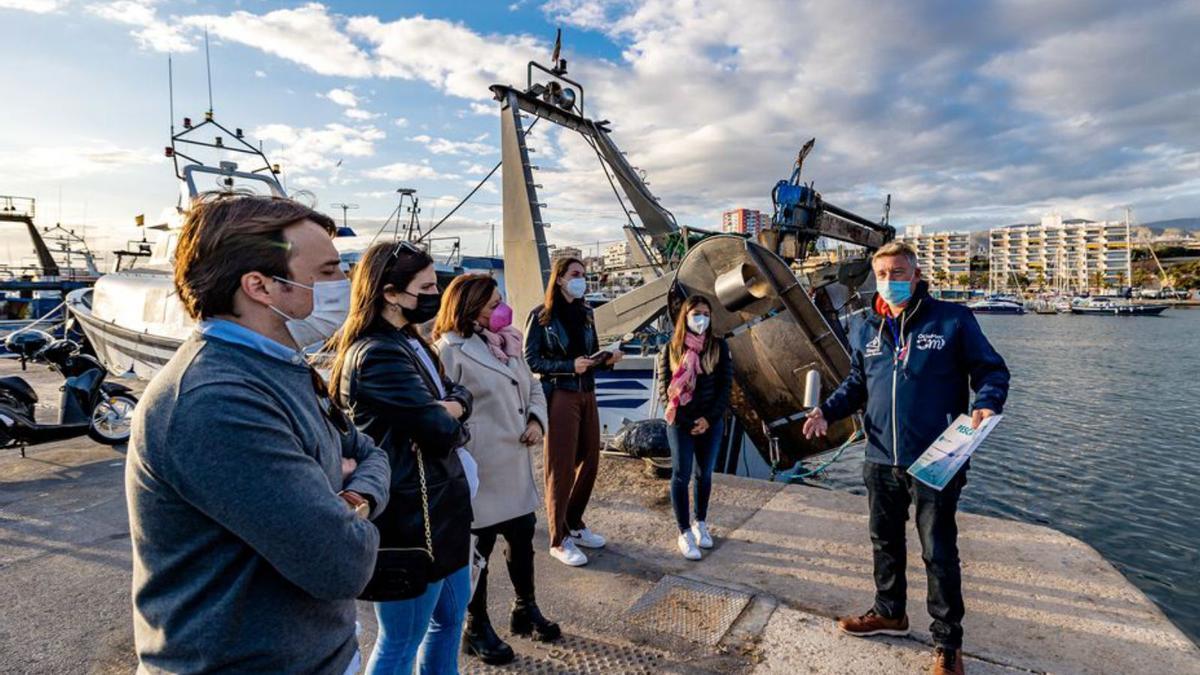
[(244, 557)]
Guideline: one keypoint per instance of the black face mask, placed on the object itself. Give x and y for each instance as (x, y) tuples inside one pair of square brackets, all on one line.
[(427, 307)]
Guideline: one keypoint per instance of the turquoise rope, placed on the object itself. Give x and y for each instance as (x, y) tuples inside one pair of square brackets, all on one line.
[(800, 475)]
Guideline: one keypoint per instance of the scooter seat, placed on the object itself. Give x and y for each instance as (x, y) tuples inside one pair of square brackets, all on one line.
[(18, 386)]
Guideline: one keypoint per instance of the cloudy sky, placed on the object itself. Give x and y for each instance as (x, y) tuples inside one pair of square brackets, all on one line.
[(970, 114)]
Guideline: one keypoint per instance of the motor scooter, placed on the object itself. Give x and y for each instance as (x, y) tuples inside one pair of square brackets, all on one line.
[(88, 405)]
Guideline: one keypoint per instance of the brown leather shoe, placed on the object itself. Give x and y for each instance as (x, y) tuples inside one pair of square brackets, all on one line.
[(947, 662), (873, 624)]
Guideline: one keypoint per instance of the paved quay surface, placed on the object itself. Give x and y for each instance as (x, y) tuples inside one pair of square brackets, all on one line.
[(788, 559)]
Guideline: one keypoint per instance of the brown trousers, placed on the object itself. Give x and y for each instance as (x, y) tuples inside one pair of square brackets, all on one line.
[(572, 460)]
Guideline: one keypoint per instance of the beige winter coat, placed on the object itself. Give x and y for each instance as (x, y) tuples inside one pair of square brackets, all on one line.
[(506, 398)]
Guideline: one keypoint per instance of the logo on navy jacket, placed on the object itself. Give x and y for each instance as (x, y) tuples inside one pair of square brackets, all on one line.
[(930, 341), (873, 348)]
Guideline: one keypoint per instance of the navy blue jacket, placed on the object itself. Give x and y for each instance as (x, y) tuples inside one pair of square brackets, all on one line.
[(910, 395)]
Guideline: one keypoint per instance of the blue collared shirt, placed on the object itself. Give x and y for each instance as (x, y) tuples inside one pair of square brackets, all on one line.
[(238, 334)]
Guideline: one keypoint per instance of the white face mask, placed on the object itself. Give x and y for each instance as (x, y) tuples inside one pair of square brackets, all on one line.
[(331, 306), (577, 287), (697, 323)]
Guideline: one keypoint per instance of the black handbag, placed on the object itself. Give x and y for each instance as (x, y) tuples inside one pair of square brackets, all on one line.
[(402, 573)]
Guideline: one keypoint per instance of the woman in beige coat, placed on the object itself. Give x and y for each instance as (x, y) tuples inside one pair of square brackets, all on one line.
[(480, 350)]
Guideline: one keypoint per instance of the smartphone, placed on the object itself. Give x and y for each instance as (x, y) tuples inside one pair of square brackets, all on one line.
[(601, 356)]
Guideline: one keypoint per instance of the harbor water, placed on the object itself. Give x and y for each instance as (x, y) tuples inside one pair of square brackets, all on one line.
[(1099, 441)]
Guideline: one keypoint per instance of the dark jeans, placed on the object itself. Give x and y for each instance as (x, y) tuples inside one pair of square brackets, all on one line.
[(690, 452), (890, 491), (518, 534)]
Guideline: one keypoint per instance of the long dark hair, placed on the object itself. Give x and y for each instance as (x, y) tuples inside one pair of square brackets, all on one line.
[(553, 293), (712, 352), (464, 299), (384, 266)]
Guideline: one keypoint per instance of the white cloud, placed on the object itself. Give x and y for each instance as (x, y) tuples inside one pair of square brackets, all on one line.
[(449, 56), (402, 171), (151, 32), (400, 122), (260, 73), (342, 97), (478, 108), (89, 158), (35, 6), (307, 35), (307, 150), (359, 114), (444, 146)]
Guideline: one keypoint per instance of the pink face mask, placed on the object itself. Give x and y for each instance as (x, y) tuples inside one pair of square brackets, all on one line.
[(501, 318)]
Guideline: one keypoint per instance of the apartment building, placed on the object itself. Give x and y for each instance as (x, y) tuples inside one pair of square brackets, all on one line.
[(1071, 254), (943, 256)]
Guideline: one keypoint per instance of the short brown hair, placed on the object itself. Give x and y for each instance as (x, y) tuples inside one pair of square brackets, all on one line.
[(894, 248), (226, 236), (464, 299)]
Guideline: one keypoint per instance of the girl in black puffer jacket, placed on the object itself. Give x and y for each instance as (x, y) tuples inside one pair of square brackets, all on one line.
[(391, 383), (695, 375)]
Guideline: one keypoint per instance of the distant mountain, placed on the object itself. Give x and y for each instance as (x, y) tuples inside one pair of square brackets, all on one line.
[(1186, 224)]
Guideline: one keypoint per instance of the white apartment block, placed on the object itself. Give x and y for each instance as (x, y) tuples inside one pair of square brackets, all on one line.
[(943, 256), (557, 252), (1072, 254), (616, 256)]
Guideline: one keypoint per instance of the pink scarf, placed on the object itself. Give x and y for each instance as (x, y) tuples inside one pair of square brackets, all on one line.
[(683, 380), (504, 344)]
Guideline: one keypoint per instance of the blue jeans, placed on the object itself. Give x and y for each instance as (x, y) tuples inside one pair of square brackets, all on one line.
[(426, 629), (692, 453)]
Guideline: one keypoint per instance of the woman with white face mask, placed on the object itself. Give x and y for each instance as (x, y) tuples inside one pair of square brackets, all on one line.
[(695, 374), (560, 339)]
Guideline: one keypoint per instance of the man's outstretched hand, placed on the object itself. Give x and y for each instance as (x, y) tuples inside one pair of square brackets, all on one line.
[(978, 416), (815, 425)]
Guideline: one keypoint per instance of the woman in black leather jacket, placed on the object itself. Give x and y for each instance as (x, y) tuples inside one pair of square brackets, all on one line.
[(559, 337), (390, 382)]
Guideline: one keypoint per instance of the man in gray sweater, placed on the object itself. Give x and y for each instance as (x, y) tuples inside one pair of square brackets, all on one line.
[(248, 492)]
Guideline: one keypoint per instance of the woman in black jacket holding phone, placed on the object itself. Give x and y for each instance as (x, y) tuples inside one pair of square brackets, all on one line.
[(695, 374), (560, 341), (391, 383)]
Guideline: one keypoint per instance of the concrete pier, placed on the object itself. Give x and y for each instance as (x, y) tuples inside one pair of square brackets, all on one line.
[(787, 560)]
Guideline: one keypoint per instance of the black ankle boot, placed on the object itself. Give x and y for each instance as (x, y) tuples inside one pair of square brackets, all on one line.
[(527, 620), (480, 639)]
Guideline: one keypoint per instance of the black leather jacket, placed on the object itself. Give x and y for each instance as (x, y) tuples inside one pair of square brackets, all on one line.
[(710, 398), (391, 397), (547, 355)]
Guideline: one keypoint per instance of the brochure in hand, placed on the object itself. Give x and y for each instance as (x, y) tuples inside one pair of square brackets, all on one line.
[(937, 465)]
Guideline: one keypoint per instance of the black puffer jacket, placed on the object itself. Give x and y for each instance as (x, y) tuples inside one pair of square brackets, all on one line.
[(391, 397), (710, 399)]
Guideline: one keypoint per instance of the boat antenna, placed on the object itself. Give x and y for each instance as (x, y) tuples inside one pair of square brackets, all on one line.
[(171, 93), (208, 65)]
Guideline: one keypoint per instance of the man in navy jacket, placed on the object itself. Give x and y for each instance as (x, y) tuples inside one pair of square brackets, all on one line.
[(914, 362)]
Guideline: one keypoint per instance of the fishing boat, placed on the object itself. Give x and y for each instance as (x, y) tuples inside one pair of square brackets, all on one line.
[(32, 294), (1109, 307)]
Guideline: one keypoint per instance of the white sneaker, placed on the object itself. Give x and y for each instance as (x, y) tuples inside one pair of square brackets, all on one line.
[(687, 546), (587, 539), (700, 532), (567, 554)]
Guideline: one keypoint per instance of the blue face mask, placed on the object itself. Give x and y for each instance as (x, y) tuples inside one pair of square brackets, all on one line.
[(896, 293)]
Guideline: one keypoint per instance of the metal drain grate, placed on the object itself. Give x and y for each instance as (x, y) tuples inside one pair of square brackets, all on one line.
[(692, 610), (577, 654)]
